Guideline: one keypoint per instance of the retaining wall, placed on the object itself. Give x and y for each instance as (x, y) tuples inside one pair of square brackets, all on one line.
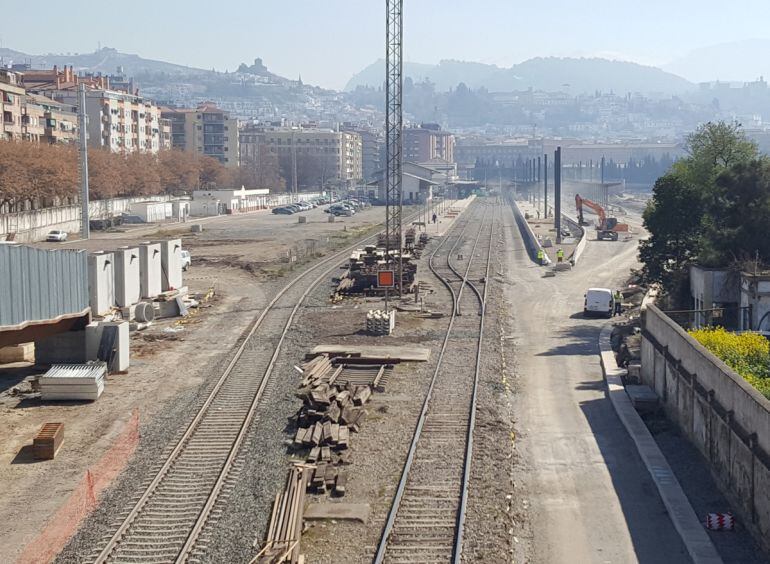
[(718, 411), (581, 246), (531, 242)]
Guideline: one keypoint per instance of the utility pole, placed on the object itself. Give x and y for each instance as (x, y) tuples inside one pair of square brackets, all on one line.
[(557, 193), (83, 125), (393, 126), (293, 165), (545, 184), (539, 177)]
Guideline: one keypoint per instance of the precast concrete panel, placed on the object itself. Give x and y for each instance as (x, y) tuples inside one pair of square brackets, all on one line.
[(127, 276), (41, 284), (150, 270), (171, 264), (101, 282)]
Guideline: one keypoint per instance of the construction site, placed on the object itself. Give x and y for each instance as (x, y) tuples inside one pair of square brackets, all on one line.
[(412, 382)]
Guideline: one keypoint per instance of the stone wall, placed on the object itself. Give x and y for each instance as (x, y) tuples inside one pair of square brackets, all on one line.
[(718, 411)]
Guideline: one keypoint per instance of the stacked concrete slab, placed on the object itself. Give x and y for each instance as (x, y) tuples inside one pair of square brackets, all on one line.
[(101, 282), (150, 268)]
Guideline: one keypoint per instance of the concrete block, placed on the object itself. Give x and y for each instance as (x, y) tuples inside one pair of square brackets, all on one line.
[(150, 269), (127, 276), (65, 348), (171, 264), (25, 352), (94, 333), (101, 282)]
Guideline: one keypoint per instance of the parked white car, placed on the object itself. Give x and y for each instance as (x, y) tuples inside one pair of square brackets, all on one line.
[(186, 259), (56, 236)]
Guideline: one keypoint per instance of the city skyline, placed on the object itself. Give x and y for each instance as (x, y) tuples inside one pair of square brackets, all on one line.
[(346, 36)]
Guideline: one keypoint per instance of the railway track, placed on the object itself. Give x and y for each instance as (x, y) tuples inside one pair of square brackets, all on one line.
[(426, 520), (169, 518)]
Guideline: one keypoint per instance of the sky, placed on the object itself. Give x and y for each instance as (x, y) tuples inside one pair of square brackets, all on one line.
[(327, 41)]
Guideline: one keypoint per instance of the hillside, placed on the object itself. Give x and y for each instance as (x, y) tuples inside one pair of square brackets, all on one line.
[(736, 61), (550, 73), (105, 60)]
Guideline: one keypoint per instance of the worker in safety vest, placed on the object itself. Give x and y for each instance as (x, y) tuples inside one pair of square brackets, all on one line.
[(618, 297), (560, 255), (540, 256)]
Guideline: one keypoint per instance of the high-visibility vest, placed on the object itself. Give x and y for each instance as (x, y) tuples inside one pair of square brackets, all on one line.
[(560, 253)]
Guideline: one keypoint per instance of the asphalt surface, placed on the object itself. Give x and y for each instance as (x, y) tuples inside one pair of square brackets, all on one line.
[(589, 497)]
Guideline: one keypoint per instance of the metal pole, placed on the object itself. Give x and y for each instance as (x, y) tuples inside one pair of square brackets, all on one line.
[(545, 184), (393, 126), (83, 124), (557, 193)]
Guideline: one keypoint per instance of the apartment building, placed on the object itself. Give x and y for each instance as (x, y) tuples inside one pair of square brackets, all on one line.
[(11, 97), (337, 155), (46, 120), (118, 120), (206, 130), (372, 149), (428, 142)]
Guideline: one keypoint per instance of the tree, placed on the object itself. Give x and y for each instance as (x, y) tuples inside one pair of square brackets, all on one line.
[(737, 222), (683, 213), (106, 173), (674, 236)]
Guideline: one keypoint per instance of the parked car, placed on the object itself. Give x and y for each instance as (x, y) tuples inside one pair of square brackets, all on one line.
[(342, 210), (284, 210), (186, 260), (56, 236), (599, 301)]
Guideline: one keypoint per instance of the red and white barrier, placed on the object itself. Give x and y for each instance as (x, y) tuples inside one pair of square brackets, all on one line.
[(720, 521)]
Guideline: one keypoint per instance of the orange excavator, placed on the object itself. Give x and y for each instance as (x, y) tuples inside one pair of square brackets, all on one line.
[(608, 227)]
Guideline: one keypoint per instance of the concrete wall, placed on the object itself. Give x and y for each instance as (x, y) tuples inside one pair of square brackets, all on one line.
[(581, 246), (31, 226), (530, 239), (724, 417)]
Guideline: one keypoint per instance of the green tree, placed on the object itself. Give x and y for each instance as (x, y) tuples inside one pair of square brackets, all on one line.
[(682, 216), (673, 218), (737, 222)]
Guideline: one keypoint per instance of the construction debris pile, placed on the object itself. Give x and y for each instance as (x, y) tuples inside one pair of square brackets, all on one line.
[(360, 277), (380, 322)]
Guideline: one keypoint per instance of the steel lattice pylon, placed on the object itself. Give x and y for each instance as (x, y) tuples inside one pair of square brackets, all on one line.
[(393, 125)]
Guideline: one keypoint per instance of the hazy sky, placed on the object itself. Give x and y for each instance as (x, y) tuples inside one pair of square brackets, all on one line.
[(329, 40)]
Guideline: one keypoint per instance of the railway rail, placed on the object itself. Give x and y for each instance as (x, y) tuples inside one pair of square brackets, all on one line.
[(426, 520), (166, 522)]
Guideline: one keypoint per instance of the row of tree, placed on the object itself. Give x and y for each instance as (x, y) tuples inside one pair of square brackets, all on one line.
[(39, 175), (712, 208)]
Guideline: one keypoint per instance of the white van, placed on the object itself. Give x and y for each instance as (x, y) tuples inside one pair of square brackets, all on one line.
[(599, 301)]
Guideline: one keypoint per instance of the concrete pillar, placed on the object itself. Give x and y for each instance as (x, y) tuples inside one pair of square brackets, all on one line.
[(171, 264), (150, 270), (127, 276), (101, 282)]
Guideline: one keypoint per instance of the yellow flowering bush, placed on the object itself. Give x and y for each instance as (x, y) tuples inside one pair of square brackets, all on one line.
[(746, 353)]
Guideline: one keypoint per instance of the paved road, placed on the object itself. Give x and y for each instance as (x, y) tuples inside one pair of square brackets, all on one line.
[(590, 497)]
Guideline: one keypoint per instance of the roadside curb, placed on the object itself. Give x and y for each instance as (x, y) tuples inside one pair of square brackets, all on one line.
[(682, 515)]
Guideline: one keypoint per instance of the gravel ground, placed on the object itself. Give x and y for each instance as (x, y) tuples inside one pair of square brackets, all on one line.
[(490, 519)]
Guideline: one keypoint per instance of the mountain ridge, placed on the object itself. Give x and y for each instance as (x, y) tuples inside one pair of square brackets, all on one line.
[(577, 75)]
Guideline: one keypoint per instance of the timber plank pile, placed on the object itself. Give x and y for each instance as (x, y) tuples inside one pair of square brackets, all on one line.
[(286, 520), (331, 411), (48, 440)]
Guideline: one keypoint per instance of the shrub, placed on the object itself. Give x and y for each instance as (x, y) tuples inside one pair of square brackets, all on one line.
[(746, 353)]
